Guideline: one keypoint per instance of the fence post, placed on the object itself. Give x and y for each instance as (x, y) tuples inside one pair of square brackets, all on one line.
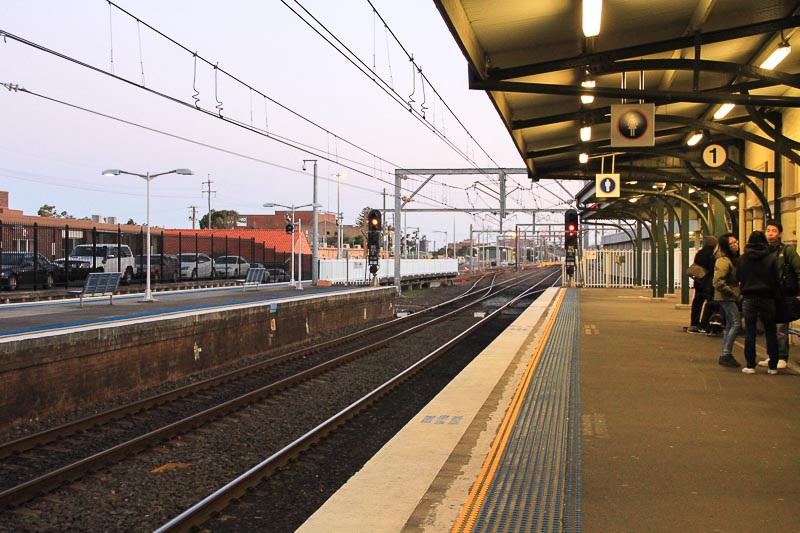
[(35, 254)]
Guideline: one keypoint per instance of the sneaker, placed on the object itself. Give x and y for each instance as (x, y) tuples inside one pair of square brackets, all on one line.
[(728, 360), (747, 370), (695, 330), (772, 372), (781, 363), (765, 362)]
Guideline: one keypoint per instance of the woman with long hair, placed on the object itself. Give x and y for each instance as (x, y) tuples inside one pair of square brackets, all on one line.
[(727, 294)]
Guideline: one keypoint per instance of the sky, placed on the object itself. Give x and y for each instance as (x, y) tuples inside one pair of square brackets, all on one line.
[(274, 93)]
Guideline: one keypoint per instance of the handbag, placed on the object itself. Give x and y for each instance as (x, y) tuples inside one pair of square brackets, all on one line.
[(696, 272), (787, 309)]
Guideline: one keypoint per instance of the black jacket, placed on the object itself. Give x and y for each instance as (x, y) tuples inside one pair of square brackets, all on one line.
[(705, 258), (757, 271)]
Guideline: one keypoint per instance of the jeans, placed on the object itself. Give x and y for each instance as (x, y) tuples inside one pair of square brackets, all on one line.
[(733, 322), (783, 341), (764, 308)]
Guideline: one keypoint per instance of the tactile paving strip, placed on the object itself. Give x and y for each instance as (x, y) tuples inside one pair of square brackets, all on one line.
[(534, 483)]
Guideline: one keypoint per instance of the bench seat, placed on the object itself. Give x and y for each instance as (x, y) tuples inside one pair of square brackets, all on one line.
[(253, 278), (99, 284)]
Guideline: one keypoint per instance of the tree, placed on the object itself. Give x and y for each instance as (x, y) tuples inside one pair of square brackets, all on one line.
[(361, 221), (50, 211), (222, 219)]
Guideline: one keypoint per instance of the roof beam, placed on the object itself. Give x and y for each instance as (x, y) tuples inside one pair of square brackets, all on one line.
[(636, 94), (669, 45)]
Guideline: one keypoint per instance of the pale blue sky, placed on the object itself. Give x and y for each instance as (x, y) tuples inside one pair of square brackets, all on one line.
[(52, 154)]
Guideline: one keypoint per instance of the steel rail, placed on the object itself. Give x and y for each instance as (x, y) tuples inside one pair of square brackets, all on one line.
[(220, 499), (42, 484), (44, 437)]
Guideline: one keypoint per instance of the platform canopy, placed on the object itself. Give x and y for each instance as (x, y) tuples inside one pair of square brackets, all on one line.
[(686, 57)]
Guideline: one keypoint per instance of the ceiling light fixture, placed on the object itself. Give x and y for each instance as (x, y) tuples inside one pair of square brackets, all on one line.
[(692, 190), (592, 10), (586, 133), (731, 198), (633, 200), (778, 55), (583, 158), (588, 83), (695, 138), (723, 111)]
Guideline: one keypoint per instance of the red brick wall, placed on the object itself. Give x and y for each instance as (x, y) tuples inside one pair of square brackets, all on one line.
[(49, 375)]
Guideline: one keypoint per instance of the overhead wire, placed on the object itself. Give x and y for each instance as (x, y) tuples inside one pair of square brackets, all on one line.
[(218, 69)]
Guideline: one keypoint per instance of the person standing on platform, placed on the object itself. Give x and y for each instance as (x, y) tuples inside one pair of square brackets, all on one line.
[(789, 274), (727, 294), (703, 288), (757, 270)]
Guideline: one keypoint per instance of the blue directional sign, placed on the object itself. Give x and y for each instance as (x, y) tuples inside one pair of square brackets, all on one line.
[(607, 185)]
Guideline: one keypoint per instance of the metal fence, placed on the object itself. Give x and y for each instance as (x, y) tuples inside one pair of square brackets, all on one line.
[(57, 242), (617, 269), (357, 270)]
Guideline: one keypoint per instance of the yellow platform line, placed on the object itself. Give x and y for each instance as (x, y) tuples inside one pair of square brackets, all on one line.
[(474, 503)]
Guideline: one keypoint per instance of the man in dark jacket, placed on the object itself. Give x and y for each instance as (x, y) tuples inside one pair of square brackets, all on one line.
[(703, 288), (789, 274), (757, 271)]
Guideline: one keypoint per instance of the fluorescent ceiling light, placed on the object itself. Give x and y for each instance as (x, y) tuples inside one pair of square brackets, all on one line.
[(633, 200), (592, 9), (731, 198), (695, 138), (586, 133), (723, 111), (692, 190), (634, 182), (583, 158), (777, 56), (590, 84)]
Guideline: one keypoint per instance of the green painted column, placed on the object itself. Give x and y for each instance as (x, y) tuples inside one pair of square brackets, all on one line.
[(684, 246), (671, 251), (639, 253)]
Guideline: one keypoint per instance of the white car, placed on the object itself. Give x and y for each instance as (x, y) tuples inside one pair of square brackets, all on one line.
[(231, 266), (196, 266), (105, 258)]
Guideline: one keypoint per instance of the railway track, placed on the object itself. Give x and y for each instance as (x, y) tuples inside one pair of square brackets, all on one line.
[(44, 462)]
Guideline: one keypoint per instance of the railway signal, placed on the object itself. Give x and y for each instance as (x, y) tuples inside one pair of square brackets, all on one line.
[(570, 239), (374, 240)]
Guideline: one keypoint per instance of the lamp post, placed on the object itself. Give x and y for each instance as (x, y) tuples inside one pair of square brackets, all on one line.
[(339, 217), (292, 207), (148, 296), (314, 228)]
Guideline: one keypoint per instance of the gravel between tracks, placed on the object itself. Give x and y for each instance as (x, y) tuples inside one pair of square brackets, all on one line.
[(140, 494)]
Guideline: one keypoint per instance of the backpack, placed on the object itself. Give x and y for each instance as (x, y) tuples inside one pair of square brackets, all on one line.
[(788, 275)]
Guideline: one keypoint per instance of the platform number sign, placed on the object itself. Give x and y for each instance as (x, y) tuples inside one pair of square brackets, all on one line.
[(715, 155)]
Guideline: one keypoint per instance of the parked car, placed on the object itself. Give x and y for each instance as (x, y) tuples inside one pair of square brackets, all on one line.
[(105, 258), (78, 270), (163, 267), (277, 275), (231, 266), (196, 266), (26, 269)]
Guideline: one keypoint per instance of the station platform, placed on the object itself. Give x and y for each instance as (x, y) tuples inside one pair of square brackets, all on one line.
[(594, 411), (35, 318)]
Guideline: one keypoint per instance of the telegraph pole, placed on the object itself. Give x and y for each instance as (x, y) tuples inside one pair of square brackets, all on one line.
[(209, 191), (193, 218)]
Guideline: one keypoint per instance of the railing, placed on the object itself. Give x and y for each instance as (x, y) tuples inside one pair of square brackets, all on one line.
[(617, 269), (357, 270)]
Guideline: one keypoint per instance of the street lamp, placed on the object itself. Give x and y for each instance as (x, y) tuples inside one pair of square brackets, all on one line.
[(314, 227), (339, 217), (148, 296), (445, 240), (297, 285)]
